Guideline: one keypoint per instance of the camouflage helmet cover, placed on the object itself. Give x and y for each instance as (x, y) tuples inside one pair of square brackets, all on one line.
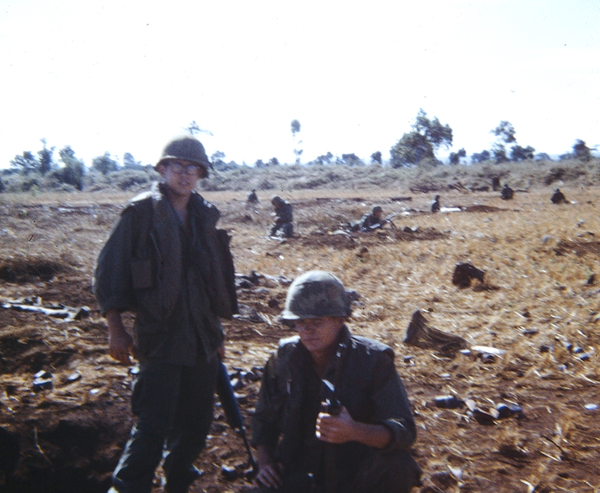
[(316, 294), (188, 148)]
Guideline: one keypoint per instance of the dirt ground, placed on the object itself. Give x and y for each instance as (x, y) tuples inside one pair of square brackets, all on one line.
[(64, 403)]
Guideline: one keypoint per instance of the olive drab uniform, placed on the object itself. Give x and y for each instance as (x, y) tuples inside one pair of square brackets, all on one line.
[(367, 384), (284, 218), (178, 281)]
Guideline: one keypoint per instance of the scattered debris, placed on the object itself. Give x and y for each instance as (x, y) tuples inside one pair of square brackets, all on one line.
[(421, 335), (66, 313), (448, 402), (42, 380), (464, 273), (229, 473)]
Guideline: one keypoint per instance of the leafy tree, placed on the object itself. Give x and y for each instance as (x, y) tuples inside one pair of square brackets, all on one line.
[(324, 159), (426, 136), (505, 132), (298, 153), (129, 161), (542, 156), (352, 159), (45, 158), (295, 127), (499, 153), (581, 151), (518, 153), (218, 159), (25, 163), (259, 164), (105, 164), (480, 157), (73, 171), (376, 157), (273, 162), (455, 156)]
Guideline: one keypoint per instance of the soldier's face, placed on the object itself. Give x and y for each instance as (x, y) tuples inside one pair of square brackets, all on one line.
[(180, 176), (319, 335)]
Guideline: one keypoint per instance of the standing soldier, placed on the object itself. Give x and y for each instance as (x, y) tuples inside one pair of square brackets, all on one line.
[(332, 413), (166, 262), (283, 218)]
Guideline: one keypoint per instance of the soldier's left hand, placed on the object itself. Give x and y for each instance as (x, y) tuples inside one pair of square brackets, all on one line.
[(335, 428)]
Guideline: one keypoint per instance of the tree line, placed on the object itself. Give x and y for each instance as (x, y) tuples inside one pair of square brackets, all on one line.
[(418, 147)]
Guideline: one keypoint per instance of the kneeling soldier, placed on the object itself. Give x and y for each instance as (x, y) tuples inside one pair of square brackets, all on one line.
[(332, 413)]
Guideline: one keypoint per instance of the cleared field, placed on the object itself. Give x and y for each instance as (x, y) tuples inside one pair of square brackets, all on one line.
[(539, 305)]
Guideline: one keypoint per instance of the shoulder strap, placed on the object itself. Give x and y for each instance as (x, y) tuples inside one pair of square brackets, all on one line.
[(145, 211)]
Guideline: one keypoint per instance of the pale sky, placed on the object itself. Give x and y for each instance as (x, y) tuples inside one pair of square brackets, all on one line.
[(125, 76)]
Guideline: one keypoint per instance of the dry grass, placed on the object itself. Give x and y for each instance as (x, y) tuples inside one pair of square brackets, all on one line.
[(536, 301)]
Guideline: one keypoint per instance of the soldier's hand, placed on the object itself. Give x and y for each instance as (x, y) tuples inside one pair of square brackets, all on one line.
[(120, 343), (335, 429)]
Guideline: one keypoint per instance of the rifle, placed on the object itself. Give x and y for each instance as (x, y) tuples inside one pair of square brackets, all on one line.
[(232, 413), (381, 223), (389, 218)]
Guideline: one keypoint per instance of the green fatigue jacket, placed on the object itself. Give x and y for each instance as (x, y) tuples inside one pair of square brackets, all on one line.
[(284, 213), (178, 284), (367, 384)]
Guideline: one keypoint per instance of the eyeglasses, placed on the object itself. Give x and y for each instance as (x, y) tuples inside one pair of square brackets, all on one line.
[(310, 324), (180, 168)]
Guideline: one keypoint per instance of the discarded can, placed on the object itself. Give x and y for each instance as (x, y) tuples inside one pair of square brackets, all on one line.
[(42, 384), (229, 473), (42, 374), (448, 402), (506, 411)]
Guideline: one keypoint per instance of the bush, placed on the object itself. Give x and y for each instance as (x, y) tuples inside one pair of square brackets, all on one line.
[(128, 178)]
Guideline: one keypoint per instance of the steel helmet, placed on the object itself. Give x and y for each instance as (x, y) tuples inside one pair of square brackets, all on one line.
[(376, 209), (276, 199), (316, 294), (188, 148)]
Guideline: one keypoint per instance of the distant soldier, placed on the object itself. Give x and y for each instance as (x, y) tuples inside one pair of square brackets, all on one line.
[(558, 197), (507, 193), (252, 198), (435, 207), (370, 222), (283, 222), (495, 183)]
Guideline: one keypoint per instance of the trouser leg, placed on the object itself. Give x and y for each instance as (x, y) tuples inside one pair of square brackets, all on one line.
[(154, 398), (193, 418)]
